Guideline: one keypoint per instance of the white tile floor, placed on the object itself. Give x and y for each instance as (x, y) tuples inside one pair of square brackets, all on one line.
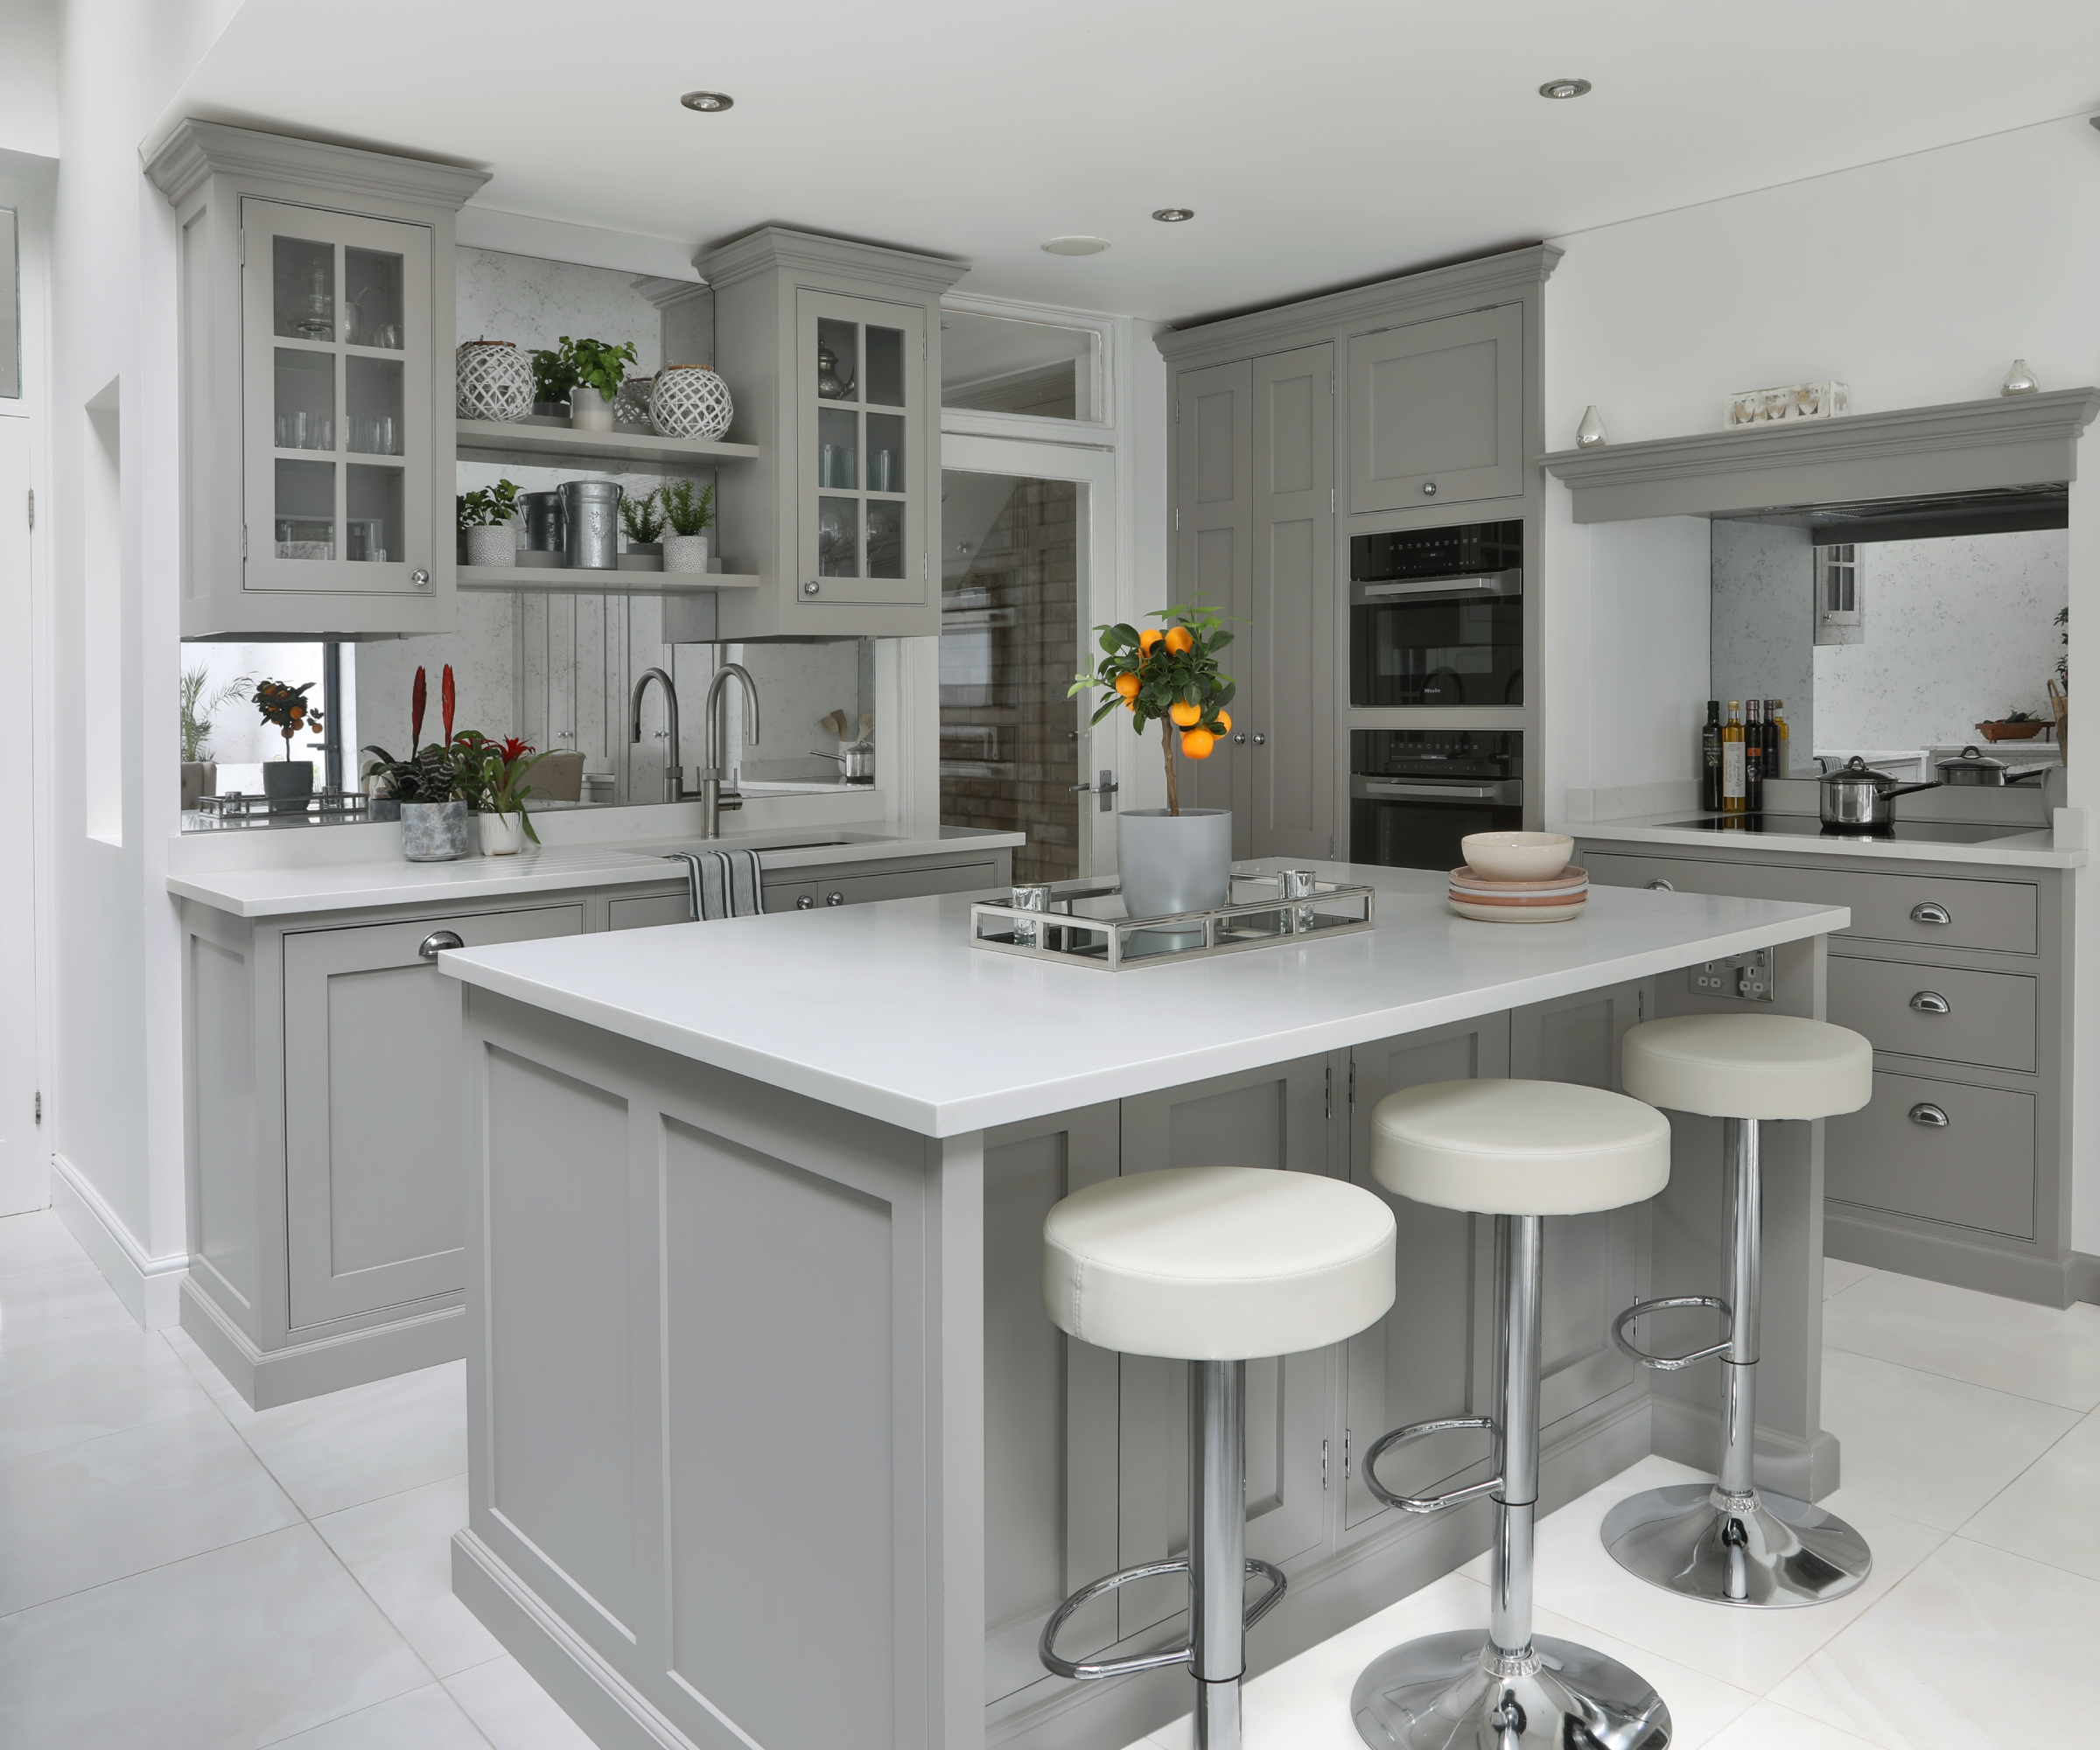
[(177, 1570)]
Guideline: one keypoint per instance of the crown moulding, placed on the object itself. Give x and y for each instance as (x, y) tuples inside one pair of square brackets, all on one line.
[(199, 150), (1958, 446), (775, 246)]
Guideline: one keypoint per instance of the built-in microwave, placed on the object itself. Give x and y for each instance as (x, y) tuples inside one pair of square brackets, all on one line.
[(1437, 616), (1415, 793)]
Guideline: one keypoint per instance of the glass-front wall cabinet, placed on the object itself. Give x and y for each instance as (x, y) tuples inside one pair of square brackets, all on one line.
[(336, 445), (863, 468)]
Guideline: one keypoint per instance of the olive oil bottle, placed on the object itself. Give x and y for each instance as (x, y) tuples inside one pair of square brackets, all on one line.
[(1710, 760), (1734, 790)]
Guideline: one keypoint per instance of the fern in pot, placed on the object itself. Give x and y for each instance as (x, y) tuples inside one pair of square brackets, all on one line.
[(643, 517), (690, 514)]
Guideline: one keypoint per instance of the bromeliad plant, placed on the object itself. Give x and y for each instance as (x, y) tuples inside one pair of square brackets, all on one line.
[(493, 774), (284, 708), (1170, 676)]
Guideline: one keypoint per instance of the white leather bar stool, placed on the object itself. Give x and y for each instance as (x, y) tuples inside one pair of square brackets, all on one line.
[(1733, 1543), (1214, 1266), (1520, 1151)]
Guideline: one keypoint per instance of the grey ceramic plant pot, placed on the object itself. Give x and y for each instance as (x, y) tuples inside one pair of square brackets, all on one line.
[(434, 832), (1174, 863)]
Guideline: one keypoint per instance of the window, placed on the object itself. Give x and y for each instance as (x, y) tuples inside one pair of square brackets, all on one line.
[(1839, 614), (10, 309), (1003, 364)]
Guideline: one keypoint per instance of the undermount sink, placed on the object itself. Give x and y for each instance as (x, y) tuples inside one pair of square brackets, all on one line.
[(757, 841)]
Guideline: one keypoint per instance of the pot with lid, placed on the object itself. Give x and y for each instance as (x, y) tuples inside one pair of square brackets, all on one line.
[(1856, 795), (1972, 765)]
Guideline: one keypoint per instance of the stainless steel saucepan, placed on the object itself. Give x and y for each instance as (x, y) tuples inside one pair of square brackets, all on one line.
[(1856, 795)]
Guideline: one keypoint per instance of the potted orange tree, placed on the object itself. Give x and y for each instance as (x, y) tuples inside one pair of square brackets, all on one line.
[(1171, 860), (284, 709)]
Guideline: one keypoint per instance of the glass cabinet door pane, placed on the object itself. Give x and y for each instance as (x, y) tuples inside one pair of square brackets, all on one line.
[(838, 449), (303, 288), (886, 452), (837, 359), (372, 388), (885, 537), (305, 400), (838, 537), (305, 514), (372, 522), (372, 314), (885, 366)]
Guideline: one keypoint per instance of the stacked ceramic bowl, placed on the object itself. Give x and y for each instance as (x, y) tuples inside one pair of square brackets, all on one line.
[(1518, 877)]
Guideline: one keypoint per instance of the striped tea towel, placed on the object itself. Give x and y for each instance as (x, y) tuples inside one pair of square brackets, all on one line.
[(721, 883)]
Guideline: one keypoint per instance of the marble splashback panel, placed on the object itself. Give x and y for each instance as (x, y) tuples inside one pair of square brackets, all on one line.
[(1764, 584)]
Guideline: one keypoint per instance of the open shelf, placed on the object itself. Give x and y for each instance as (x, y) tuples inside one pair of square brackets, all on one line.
[(560, 580), (540, 439)]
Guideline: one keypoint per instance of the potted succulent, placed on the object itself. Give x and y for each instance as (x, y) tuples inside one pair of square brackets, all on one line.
[(1171, 860), (199, 770), (485, 515), (691, 515), (428, 787), (284, 708), (495, 773), (595, 369), (643, 519)]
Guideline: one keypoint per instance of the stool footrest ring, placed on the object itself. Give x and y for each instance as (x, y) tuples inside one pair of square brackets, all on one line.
[(1641, 1309), (1088, 1670), (1416, 1430)]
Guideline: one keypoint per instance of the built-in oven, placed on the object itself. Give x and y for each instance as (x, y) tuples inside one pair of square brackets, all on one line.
[(1415, 793), (1437, 616)]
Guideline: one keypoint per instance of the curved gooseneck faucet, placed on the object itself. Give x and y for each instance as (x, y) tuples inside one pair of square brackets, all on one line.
[(711, 802), (674, 767)]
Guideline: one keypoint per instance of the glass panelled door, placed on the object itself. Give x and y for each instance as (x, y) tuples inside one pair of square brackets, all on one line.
[(337, 441), (861, 385)]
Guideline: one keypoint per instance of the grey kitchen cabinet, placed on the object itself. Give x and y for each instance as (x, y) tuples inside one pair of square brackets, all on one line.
[(1958, 976), (834, 351), (372, 1126), (316, 384), (1436, 411), (1214, 540)]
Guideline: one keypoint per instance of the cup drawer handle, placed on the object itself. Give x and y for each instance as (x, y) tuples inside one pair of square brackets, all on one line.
[(1659, 885), (1927, 912), (1931, 1003), (1926, 1113), (437, 941)]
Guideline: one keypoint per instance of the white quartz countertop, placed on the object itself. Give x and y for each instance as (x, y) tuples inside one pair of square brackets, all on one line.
[(2030, 848), (887, 1010), (394, 881)]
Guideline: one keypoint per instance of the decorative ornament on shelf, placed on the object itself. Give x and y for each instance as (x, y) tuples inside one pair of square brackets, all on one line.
[(2019, 381), (494, 381), (690, 400), (631, 405), (1590, 434), (1826, 400)]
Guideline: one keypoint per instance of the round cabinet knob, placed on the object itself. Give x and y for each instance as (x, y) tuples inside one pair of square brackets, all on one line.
[(420, 577), (1239, 736), (1260, 741), (1933, 1118), (805, 904), (437, 941), (811, 589), (1659, 885), (1429, 488), (1931, 1003), (1927, 912), (835, 899)]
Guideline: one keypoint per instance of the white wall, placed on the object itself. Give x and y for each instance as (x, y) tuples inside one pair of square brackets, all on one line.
[(1917, 282), (29, 77)]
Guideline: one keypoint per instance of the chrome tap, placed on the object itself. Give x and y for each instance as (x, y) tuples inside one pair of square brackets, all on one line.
[(711, 801), (674, 769)]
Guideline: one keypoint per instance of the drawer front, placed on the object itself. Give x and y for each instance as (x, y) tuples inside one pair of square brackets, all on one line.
[(647, 911), (904, 884), (1975, 1170), (1930, 911), (1982, 1018)]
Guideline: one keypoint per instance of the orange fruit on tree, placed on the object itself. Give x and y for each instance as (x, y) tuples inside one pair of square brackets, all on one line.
[(1197, 743), (1186, 717), (1180, 638), (1223, 719), (1149, 637), (1127, 685)]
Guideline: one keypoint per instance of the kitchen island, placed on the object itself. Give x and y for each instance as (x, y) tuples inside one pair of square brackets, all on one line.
[(770, 1440)]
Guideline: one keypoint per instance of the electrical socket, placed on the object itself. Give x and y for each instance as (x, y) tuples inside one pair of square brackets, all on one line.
[(1748, 978)]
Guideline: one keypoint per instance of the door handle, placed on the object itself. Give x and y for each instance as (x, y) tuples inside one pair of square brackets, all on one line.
[(805, 904), (1927, 912), (1660, 886), (437, 941), (835, 899), (1931, 1003), (1105, 789), (1930, 1115)]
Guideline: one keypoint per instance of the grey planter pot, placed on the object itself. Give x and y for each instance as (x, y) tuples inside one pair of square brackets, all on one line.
[(434, 832), (287, 783), (1174, 863), (199, 779)]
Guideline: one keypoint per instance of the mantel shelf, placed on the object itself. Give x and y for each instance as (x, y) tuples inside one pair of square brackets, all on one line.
[(560, 580), (1960, 446), (537, 439)]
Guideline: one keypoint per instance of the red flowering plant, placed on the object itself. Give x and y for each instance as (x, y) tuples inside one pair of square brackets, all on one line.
[(493, 774), (429, 774)]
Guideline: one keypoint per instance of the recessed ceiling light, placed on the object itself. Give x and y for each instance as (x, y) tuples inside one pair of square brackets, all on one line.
[(1564, 88), (707, 102), (1175, 215), (1075, 246)]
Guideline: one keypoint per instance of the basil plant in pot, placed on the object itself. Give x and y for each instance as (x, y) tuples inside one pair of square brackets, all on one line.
[(594, 370), (485, 524), (1171, 860)]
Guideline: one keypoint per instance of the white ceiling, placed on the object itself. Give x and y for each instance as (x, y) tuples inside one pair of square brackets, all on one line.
[(1321, 142)]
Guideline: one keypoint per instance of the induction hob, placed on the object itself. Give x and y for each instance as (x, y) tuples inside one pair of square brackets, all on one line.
[(1897, 832)]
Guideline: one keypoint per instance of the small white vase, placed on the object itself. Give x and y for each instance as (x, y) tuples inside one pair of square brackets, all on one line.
[(492, 546), (685, 553), (1590, 434), (502, 835), (2019, 380), (589, 410)]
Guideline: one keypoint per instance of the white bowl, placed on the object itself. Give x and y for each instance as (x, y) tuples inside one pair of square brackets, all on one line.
[(1517, 856)]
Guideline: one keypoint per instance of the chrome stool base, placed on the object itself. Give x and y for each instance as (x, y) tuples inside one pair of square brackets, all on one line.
[(1763, 1549), (1439, 1693)]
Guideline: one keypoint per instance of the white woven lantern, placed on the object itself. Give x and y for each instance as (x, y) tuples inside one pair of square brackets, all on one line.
[(690, 400), (494, 381)]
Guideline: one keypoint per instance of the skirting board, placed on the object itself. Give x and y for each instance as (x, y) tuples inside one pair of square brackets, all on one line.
[(267, 1378), (1959, 1263), (147, 1285)]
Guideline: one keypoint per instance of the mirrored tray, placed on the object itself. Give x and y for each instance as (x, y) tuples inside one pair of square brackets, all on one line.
[(1086, 925)]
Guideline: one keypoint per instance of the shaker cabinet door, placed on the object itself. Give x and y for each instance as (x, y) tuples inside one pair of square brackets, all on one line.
[(1436, 411), (373, 1081), (337, 447), (1214, 537)]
